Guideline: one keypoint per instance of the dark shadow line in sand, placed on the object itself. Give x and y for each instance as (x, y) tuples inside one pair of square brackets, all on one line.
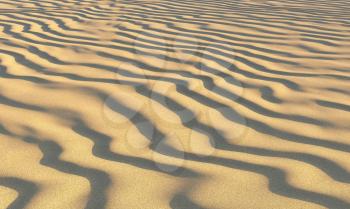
[(277, 181), (334, 105), (102, 150), (99, 180), (181, 201), (26, 190)]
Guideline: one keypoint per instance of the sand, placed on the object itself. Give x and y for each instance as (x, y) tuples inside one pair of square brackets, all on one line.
[(160, 104)]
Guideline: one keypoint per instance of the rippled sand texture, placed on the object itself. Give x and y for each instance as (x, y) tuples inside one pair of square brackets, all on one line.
[(212, 104)]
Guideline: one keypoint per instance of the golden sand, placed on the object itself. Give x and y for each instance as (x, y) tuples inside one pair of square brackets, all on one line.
[(160, 104)]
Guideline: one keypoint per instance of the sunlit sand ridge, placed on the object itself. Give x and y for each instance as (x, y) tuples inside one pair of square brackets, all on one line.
[(174, 104)]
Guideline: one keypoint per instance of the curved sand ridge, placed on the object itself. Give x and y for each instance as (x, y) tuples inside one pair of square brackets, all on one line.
[(174, 104)]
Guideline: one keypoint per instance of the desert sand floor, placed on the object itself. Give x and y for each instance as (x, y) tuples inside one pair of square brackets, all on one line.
[(154, 104)]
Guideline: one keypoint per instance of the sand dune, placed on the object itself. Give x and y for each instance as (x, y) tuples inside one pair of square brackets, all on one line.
[(174, 104)]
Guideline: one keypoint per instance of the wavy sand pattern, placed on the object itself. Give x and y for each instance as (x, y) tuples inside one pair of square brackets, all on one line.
[(174, 104)]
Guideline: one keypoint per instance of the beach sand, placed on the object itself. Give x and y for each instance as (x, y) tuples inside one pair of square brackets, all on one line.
[(160, 104)]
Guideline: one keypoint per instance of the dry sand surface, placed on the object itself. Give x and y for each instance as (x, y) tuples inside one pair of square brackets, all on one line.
[(154, 104)]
